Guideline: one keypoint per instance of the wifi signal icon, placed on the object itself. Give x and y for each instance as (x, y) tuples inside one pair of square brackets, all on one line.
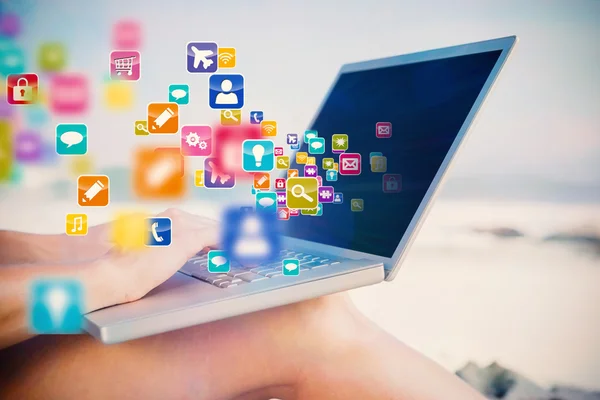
[(268, 128), (226, 57)]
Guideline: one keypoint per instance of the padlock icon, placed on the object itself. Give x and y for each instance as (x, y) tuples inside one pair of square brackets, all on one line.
[(22, 91), (391, 183), (279, 183)]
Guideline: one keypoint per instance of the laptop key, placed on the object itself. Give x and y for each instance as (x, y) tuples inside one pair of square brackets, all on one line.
[(252, 277), (273, 274), (266, 271), (311, 265), (214, 278)]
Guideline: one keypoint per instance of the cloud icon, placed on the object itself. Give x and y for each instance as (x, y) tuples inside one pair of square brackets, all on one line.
[(266, 202), (316, 145), (178, 94), (71, 138)]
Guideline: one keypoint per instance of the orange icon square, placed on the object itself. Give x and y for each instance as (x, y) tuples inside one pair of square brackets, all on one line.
[(335, 166), (311, 161), (93, 190), (163, 118), (158, 173), (301, 157), (262, 180), (268, 128), (292, 173)]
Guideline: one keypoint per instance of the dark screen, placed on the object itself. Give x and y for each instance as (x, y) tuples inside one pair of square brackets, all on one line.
[(427, 104)]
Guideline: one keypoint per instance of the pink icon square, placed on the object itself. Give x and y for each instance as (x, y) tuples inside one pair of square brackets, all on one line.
[(383, 130), (294, 212), (196, 140), (125, 65), (127, 34), (280, 184), (320, 180), (68, 94), (283, 213), (350, 164), (278, 151), (392, 183)]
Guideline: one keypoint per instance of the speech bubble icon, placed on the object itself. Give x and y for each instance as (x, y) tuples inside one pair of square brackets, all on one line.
[(178, 94), (218, 261), (290, 266), (71, 138), (266, 202), (310, 136), (316, 145)]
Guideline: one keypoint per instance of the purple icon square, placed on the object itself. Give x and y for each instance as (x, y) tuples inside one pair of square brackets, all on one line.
[(28, 147), (326, 194), (338, 151), (6, 110), (10, 24), (311, 171), (215, 177), (202, 57), (281, 199), (292, 138)]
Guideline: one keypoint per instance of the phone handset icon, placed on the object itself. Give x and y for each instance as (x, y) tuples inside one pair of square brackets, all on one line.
[(155, 233), (255, 116)]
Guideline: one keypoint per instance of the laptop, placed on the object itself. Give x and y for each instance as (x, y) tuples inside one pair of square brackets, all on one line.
[(405, 117)]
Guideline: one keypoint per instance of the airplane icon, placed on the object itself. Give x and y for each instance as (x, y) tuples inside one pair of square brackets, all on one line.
[(217, 173), (201, 55), (201, 52)]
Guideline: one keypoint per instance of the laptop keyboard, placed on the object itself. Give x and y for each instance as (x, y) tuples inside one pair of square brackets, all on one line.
[(197, 267)]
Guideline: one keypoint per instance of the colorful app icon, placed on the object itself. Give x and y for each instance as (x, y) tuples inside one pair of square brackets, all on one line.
[(374, 154), (10, 23), (292, 138), (292, 173), (326, 194), (127, 34), (338, 198), (218, 262), (56, 306), (316, 146), (290, 267), (281, 199), (81, 165), (199, 178), (310, 135), (311, 160), (36, 115), (331, 176), (320, 180), (118, 95), (336, 167), (158, 173), (69, 94), (12, 60), (93, 190), (295, 146), (256, 117), (231, 117), (283, 162), (163, 117), (278, 151), (294, 212), (125, 65), (28, 147), (301, 193), (22, 88), (266, 202), (179, 94), (196, 140), (202, 57), (392, 183), (141, 128), (280, 184), (315, 212), (230, 140), (262, 180), (226, 91), (257, 155), (226, 56), (76, 225), (339, 143), (216, 177), (71, 139), (378, 164), (52, 57), (283, 213), (350, 164), (301, 157), (268, 128), (311, 171), (383, 130), (357, 205), (129, 230), (327, 163), (159, 231)]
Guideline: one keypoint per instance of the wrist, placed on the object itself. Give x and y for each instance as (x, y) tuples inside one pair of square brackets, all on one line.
[(105, 283)]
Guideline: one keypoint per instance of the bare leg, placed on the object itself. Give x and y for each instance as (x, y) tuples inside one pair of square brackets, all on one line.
[(319, 349)]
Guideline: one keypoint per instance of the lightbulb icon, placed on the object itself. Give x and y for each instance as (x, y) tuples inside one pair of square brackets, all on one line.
[(56, 299), (258, 151)]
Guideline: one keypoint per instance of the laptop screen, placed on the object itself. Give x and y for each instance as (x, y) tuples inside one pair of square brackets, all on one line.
[(426, 104)]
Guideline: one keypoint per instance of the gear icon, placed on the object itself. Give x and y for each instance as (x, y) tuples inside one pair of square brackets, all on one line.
[(192, 139), (203, 145)]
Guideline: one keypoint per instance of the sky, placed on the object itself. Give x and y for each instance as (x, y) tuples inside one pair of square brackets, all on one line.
[(541, 121)]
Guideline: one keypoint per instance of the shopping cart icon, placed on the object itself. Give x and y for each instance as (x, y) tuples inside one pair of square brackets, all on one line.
[(125, 65)]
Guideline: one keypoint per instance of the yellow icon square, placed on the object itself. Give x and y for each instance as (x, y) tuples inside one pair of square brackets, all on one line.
[(6, 151), (76, 225), (378, 164), (130, 230), (118, 95), (282, 162), (268, 128), (311, 161), (227, 57), (301, 157), (81, 165), (141, 128), (199, 178), (335, 166), (302, 193), (231, 117)]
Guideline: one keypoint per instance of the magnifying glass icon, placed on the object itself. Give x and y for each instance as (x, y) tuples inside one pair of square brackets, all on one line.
[(299, 191), (141, 127), (229, 115), (357, 205), (282, 163)]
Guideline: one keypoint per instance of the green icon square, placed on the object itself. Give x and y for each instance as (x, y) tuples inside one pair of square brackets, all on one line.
[(339, 142), (327, 163), (290, 267), (52, 57), (218, 262), (357, 205), (141, 128), (71, 139)]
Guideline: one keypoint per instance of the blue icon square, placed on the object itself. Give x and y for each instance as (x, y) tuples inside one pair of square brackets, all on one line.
[(71, 139), (338, 198), (374, 154), (12, 59), (319, 210), (159, 232), (310, 135), (316, 146), (226, 91), (331, 175), (202, 57), (179, 94), (36, 115), (295, 146), (218, 262), (290, 267), (258, 155), (266, 202), (56, 306), (256, 117), (251, 237)]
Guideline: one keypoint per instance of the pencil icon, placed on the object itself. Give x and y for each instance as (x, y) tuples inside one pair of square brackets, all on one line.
[(97, 190), (92, 192)]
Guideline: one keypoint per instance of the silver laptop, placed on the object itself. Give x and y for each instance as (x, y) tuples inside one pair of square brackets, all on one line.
[(415, 111)]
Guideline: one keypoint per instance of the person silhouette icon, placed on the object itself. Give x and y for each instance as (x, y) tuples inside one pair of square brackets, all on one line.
[(251, 243), (226, 96)]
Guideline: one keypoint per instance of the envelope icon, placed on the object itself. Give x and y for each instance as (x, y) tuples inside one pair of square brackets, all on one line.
[(384, 130), (350, 164)]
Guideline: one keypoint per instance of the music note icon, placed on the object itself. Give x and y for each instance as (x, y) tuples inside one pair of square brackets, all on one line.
[(76, 224), (378, 164)]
